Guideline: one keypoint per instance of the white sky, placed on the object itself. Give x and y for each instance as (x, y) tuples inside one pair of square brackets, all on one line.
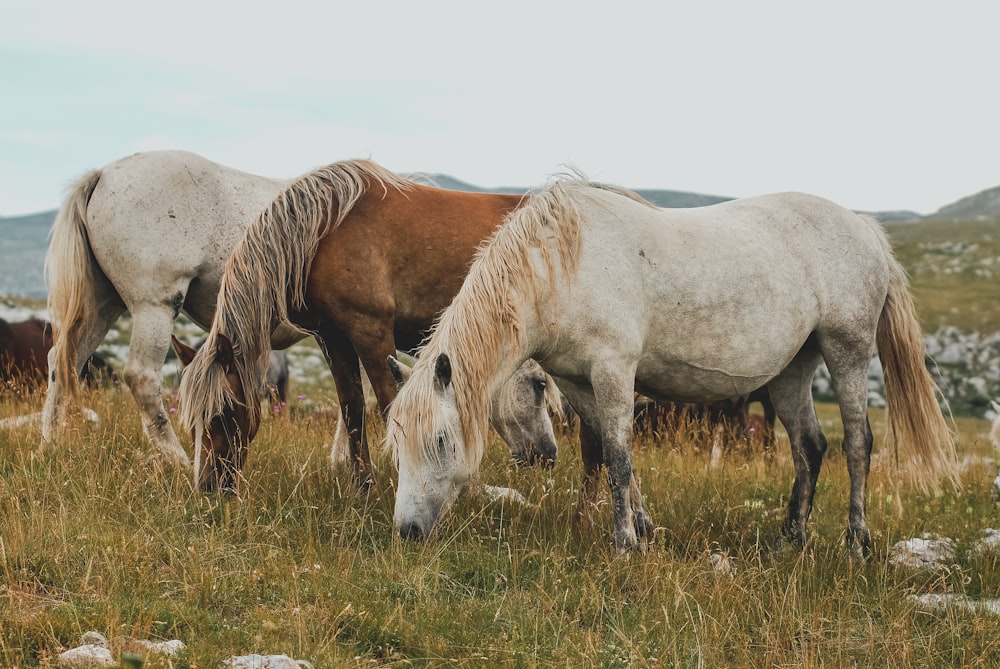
[(876, 105)]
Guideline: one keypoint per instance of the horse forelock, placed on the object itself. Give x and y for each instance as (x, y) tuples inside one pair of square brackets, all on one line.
[(484, 321)]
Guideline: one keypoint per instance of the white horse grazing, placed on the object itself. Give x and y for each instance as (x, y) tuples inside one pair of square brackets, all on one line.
[(612, 295), (149, 233)]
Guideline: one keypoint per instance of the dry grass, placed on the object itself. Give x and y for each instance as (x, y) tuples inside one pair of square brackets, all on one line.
[(95, 538)]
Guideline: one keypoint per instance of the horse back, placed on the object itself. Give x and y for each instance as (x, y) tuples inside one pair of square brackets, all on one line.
[(158, 220), (715, 301), (403, 255)]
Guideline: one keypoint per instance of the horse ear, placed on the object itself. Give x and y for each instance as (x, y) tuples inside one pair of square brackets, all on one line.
[(224, 352), (442, 371), (184, 352), (400, 371)]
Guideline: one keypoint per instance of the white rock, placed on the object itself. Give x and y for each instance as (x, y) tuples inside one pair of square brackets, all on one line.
[(495, 493), (256, 661), (90, 656), (943, 601), (920, 553), (990, 543), (36, 419), (171, 648)]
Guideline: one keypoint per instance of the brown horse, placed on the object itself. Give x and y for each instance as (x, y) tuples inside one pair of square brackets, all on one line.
[(352, 253), (24, 350)]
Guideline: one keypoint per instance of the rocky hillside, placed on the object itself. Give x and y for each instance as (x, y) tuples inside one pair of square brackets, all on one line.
[(983, 205)]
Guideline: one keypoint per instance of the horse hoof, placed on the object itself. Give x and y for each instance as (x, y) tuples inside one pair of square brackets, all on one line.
[(625, 541), (859, 546), (643, 525)]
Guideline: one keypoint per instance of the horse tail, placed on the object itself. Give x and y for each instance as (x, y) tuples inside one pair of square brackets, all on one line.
[(70, 272), (925, 446)]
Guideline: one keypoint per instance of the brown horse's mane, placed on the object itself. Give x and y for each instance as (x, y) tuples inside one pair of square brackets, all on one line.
[(517, 268), (266, 276)]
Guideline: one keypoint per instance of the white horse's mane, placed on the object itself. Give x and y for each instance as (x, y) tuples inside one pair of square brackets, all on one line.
[(513, 270), (267, 273)]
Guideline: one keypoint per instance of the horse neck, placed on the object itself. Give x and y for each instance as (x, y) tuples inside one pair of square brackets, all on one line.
[(485, 356)]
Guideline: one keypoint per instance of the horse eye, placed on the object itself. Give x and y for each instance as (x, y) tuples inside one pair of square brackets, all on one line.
[(540, 385)]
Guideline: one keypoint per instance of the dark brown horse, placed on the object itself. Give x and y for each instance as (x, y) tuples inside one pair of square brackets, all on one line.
[(24, 350), (356, 255)]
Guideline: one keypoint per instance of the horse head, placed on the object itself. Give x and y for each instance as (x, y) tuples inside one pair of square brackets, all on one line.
[(425, 434), (520, 416), (224, 436)]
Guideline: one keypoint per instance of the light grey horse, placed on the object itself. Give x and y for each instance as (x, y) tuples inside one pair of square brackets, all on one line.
[(612, 296)]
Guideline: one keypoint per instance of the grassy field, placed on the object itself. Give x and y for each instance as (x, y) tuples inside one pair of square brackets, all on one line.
[(954, 269), (95, 538)]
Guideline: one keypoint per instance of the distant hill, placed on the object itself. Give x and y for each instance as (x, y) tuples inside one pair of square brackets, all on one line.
[(659, 197), (983, 205)]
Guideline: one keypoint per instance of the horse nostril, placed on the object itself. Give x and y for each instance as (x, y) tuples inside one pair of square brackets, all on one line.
[(411, 531)]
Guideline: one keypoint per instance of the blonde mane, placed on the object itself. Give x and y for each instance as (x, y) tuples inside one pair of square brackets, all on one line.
[(517, 268), (266, 275)]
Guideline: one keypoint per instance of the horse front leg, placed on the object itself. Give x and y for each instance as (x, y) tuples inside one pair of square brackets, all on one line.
[(88, 336), (592, 456), (591, 451), (613, 382), (346, 370)]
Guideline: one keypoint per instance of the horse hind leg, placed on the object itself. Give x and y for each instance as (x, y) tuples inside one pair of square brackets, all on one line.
[(848, 360), (90, 333), (143, 374), (791, 394)]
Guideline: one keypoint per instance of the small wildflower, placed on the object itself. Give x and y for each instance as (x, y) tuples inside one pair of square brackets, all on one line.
[(300, 397), (173, 409), (277, 409)]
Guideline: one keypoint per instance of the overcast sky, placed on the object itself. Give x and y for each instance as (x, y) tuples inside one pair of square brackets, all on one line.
[(876, 105)]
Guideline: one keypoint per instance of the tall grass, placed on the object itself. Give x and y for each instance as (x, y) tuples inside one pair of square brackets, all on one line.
[(95, 537)]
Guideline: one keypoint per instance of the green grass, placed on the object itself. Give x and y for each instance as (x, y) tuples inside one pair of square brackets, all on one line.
[(95, 538)]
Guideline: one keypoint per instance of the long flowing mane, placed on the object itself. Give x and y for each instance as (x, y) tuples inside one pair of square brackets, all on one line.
[(515, 269), (266, 275)]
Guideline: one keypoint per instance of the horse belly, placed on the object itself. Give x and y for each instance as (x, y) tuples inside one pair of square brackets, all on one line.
[(679, 381)]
